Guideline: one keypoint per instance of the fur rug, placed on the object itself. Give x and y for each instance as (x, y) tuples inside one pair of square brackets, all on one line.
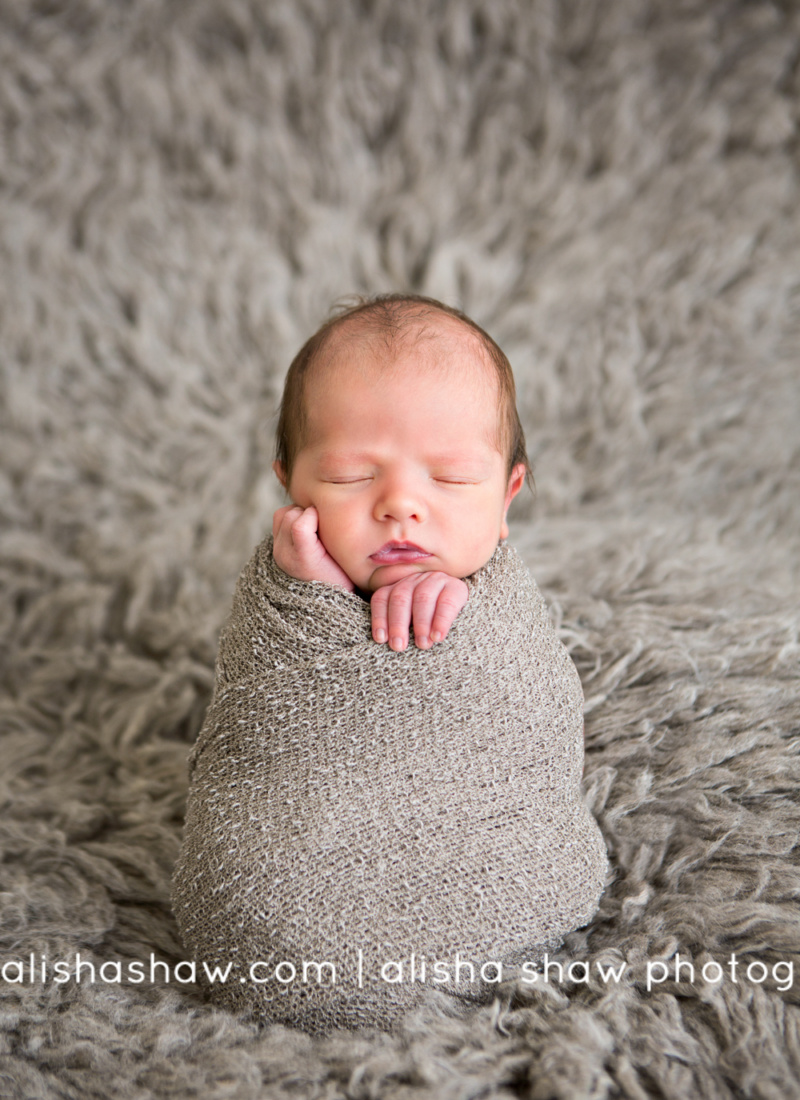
[(610, 187)]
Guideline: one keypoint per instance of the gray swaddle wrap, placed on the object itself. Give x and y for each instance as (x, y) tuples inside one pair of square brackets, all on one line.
[(353, 805)]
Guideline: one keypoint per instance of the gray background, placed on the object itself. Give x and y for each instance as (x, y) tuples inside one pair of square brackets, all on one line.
[(611, 189)]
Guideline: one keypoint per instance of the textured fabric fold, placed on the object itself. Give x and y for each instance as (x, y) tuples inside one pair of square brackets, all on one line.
[(364, 824)]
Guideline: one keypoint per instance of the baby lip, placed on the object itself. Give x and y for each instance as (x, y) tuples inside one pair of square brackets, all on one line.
[(399, 547)]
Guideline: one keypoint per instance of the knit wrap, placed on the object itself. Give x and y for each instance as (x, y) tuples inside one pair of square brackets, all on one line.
[(354, 806)]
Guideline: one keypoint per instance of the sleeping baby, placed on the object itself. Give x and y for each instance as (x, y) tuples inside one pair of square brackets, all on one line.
[(385, 795)]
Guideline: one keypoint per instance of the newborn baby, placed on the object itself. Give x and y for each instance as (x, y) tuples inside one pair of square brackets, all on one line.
[(385, 796)]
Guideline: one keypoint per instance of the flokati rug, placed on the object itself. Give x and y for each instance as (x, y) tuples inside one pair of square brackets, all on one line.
[(610, 188)]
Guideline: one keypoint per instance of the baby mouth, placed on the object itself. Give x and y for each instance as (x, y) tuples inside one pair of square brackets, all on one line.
[(394, 552)]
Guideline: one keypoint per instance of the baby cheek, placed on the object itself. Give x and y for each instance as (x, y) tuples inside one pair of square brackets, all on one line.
[(300, 496), (475, 550), (340, 526)]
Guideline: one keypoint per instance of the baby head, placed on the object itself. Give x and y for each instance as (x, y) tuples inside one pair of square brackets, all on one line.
[(399, 425)]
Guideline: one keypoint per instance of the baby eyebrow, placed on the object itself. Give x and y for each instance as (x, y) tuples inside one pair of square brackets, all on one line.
[(336, 464), (374, 456), (451, 461), (345, 456)]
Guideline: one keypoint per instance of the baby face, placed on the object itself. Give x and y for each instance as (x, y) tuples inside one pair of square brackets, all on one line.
[(400, 459)]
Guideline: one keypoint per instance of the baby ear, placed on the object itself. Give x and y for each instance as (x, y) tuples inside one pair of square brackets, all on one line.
[(515, 483), (279, 472)]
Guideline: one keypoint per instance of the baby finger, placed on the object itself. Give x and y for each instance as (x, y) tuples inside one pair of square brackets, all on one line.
[(378, 605), (304, 528), (279, 518), (452, 598), (399, 614), (426, 595)]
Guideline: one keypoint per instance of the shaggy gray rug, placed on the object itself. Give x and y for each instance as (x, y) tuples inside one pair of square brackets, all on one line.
[(610, 187)]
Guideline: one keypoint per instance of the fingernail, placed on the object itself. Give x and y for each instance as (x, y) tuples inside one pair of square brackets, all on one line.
[(380, 635), (423, 641), (397, 643), (435, 636)]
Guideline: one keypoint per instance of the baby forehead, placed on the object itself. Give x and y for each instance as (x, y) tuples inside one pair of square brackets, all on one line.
[(430, 340)]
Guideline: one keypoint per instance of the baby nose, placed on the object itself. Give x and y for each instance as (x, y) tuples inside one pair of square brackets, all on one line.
[(400, 501)]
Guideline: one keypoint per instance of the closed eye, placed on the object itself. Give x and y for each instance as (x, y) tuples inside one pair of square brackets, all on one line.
[(345, 480)]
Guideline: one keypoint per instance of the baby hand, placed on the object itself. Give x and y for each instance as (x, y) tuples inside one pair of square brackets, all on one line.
[(298, 551), (432, 600)]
